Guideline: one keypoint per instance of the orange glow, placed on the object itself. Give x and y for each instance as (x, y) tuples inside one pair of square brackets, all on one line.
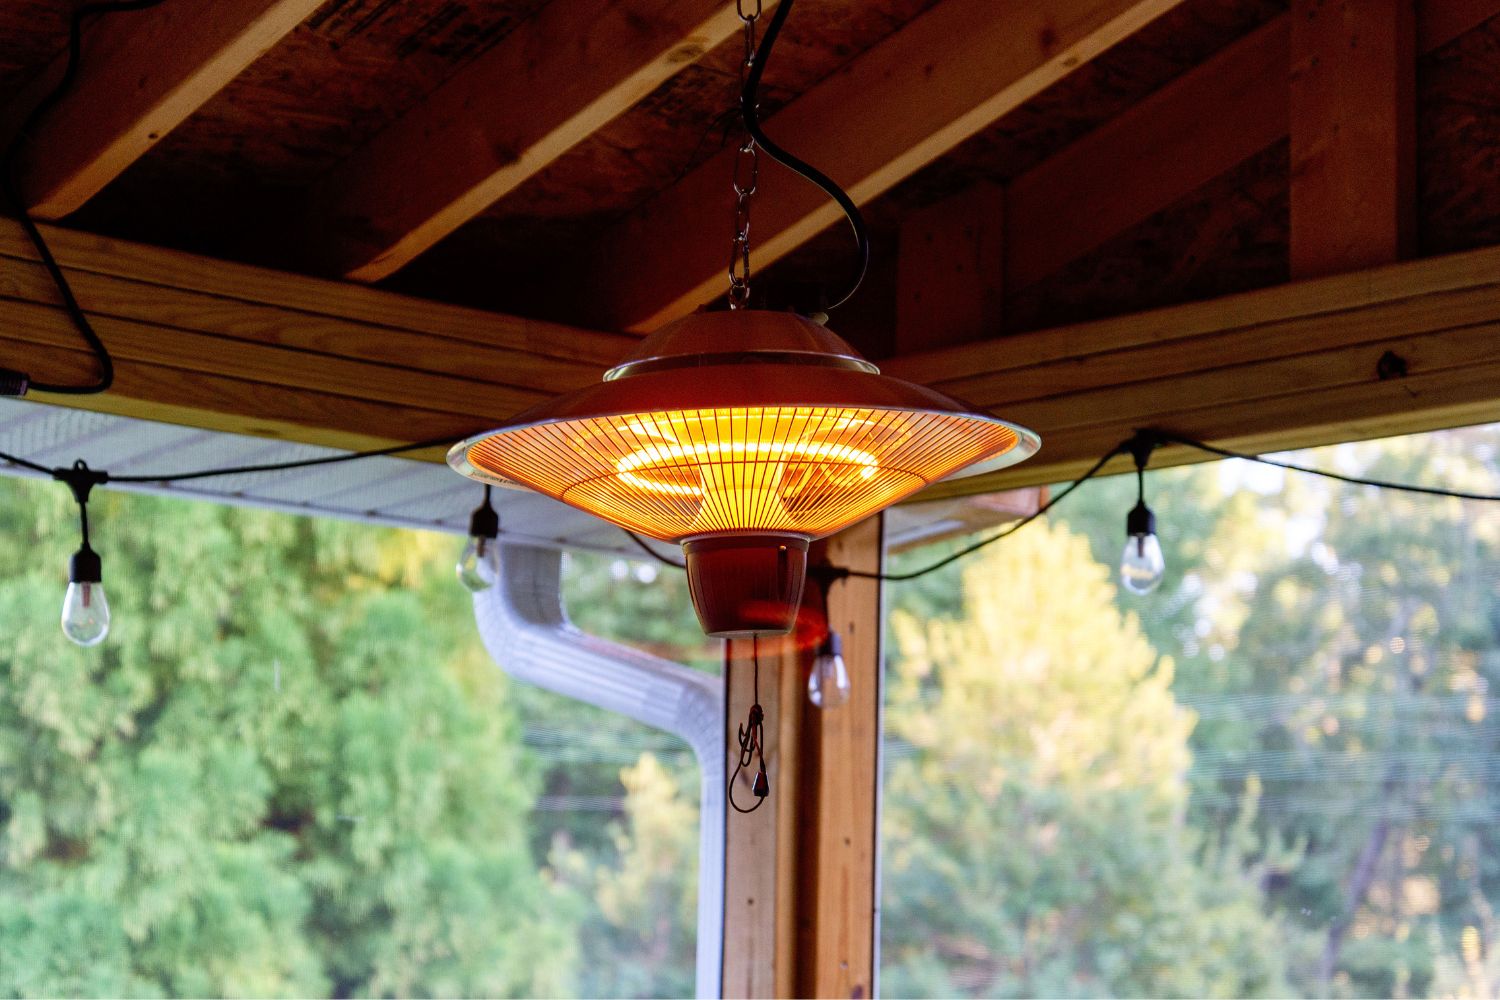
[(807, 470)]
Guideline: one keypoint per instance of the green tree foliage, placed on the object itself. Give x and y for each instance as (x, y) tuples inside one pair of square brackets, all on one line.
[(1363, 663), (287, 772), (1035, 799), (638, 940)]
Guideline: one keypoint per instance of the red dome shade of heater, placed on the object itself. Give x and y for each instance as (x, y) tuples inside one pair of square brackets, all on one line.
[(742, 435)]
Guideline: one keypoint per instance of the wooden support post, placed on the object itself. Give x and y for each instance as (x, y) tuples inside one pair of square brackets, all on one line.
[(759, 849), (951, 284), (1353, 77), (838, 896), (800, 888)]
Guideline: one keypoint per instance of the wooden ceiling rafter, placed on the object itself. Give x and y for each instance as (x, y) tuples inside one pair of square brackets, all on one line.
[(235, 348), (937, 81), (142, 73), (1353, 122), (548, 85)]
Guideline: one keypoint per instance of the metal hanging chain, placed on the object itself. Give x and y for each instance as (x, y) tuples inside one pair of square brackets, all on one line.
[(747, 161), (746, 177), (750, 113)]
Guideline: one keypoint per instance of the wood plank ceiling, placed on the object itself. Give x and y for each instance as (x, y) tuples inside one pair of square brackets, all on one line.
[(370, 220)]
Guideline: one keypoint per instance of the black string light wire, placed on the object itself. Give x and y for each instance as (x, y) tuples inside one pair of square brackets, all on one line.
[(85, 617), (644, 547), (61, 473), (1005, 532), (12, 381), (1141, 443), (1165, 437), (832, 574)]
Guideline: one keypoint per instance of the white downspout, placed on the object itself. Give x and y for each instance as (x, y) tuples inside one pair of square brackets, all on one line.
[(526, 631)]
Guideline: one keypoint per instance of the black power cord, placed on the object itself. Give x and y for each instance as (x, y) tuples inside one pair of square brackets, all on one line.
[(750, 113), (641, 543), (12, 381)]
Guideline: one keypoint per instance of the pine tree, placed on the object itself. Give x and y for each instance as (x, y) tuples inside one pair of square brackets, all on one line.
[(1035, 802)]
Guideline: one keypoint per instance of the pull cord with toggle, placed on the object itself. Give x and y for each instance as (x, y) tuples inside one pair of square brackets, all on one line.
[(752, 741)]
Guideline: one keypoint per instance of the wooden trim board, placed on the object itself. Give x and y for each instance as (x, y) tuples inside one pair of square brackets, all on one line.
[(1282, 367), (243, 349)]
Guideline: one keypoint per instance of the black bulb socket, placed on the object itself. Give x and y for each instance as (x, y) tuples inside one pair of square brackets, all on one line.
[(85, 566), (833, 644), (484, 522), (13, 383), (1140, 522)]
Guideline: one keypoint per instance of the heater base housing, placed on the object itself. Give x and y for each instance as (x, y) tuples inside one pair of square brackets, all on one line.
[(746, 584)]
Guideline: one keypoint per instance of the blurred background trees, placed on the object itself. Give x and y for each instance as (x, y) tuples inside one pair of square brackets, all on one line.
[(1036, 785), (291, 770), (286, 772)]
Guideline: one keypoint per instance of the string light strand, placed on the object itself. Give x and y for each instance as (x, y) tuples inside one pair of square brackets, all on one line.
[(230, 470), (1167, 437), (1146, 439)]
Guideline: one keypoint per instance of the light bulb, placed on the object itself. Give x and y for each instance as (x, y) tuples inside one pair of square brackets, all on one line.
[(478, 565), (828, 681), (1141, 564), (477, 569), (85, 613)]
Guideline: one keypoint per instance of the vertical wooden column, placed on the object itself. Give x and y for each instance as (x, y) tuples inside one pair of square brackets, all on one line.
[(838, 894), (1353, 163), (800, 872), (759, 850), (951, 271)]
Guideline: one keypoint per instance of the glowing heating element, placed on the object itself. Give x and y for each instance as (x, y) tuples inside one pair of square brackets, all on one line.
[(805, 470)]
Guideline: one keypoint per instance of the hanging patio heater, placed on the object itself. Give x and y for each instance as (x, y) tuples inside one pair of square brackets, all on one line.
[(742, 435)]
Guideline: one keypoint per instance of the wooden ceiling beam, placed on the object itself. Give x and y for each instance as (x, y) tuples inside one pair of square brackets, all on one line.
[(1296, 365), (228, 347), (1441, 21), (1353, 129), (548, 85), (1187, 133), (84, 254), (1196, 128), (950, 272), (142, 73), (939, 80)]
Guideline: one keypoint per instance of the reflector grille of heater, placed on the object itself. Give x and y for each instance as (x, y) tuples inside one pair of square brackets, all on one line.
[(674, 474)]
